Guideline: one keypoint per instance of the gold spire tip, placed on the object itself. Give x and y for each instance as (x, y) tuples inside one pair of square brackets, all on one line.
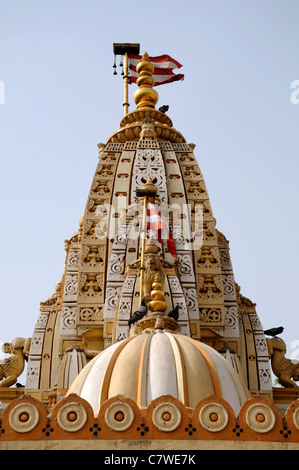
[(145, 96)]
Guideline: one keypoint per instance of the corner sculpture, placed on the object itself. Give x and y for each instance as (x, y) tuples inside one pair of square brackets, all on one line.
[(284, 369), (12, 367)]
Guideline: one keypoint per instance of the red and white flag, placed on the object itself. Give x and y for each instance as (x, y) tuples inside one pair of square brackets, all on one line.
[(163, 69), (159, 229)]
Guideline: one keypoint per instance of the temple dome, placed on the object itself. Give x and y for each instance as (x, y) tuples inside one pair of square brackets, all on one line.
[(147, 366)]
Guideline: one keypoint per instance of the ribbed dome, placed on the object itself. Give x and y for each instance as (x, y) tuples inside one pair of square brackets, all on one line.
[(147, 366)]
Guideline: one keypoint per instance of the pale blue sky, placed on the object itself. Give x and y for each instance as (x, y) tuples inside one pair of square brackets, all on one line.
[(61, 99)]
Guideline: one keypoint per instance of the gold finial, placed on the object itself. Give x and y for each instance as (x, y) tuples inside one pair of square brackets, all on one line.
[(151, 248), (148, 189), (145, 96), (157, 304)]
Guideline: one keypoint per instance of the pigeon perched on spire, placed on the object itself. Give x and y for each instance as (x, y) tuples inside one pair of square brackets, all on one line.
[(274, 331), (174, 313), (164, 108), (139, 313)]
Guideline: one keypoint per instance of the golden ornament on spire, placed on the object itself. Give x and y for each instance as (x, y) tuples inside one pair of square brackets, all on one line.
[(145, 96), (157, 304), (148, 189)]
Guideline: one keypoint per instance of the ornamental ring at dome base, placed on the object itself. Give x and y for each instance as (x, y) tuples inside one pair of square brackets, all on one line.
[(167, 417), (213, 417), (119, 416), (296, 418), (72, 417), (24, 417), (260, 418)]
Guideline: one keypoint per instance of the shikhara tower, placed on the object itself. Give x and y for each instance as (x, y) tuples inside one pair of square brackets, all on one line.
[(187, 379), (100, 289)]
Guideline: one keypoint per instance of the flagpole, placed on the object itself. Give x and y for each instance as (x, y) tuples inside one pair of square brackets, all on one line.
[(126, 84), (144, 231), (146, 191), (123, 49)]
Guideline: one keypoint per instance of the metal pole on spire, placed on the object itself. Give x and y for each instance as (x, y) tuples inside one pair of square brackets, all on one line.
[(123, 49), (146, 191), (126, 84)]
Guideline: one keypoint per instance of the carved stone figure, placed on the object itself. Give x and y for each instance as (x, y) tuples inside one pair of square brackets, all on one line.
[(148, 129), (12, 367), (285, 369), (153, 272), (154, 266)]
